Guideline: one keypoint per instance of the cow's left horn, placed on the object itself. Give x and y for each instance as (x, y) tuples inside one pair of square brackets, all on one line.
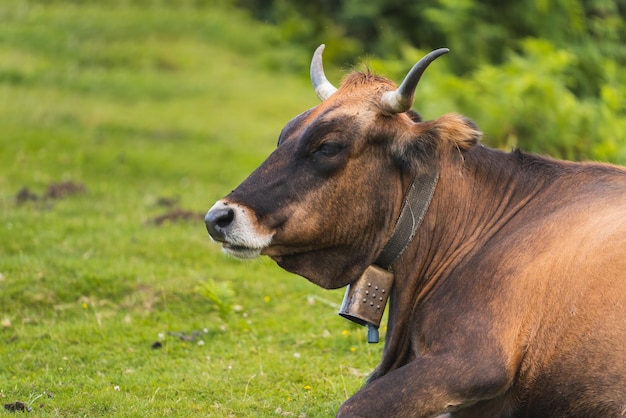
[(401, 100), (323, 88)]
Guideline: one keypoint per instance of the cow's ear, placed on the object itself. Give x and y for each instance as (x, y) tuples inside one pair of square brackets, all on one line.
[(414, 115), (417, 146), (458, 130)]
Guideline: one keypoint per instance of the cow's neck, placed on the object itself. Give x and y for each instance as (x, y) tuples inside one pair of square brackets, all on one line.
[(475, 197), (365, 299)]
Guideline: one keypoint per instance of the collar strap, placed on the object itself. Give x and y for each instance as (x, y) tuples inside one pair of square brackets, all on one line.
[(414, 207)]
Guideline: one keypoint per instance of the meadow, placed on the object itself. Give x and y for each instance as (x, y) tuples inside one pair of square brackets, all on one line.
[(121, 123)]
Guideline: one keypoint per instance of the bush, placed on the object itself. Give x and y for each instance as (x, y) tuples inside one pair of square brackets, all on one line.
[(535, 74)]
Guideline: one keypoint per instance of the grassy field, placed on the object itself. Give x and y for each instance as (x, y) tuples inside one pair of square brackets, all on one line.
[(120, 125)]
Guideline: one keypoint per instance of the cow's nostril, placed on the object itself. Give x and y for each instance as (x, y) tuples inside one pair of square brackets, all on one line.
[(226, 219), (217, 220)]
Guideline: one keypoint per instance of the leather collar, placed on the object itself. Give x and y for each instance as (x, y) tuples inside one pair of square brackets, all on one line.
[(414, 207)]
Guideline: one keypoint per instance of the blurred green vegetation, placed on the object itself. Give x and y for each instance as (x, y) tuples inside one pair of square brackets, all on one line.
[(542, 75)]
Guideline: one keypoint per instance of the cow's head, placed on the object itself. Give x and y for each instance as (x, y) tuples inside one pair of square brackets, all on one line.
[(325, 202)]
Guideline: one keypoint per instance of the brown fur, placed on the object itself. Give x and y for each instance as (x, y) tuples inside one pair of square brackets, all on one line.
[(511, 299)]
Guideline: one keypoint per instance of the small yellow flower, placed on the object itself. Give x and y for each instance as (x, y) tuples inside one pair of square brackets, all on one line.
[(352, 349), (307, 387), (84, 305), (266, 299), (345, 332)]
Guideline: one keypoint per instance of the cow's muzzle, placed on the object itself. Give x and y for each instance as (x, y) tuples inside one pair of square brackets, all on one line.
[(235, 226)]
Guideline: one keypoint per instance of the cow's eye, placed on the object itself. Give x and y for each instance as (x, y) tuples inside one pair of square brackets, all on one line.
[(329, 149)]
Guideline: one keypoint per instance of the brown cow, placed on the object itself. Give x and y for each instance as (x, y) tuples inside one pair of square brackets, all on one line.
[(509, 280)]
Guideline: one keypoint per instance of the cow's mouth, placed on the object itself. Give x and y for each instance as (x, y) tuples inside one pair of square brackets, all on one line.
[(246, 253), (276, 251), (240, 251)]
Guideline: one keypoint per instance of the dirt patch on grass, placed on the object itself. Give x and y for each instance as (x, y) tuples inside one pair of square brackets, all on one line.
[(176, 215), (17, 407), (25, 195), (64, 189), (54, 191)]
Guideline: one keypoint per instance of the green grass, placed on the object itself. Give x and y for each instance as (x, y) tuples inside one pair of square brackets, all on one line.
[(145, 105)]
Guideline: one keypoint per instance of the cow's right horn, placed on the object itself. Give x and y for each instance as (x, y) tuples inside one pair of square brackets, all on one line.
[(323, 88), (401, 100)]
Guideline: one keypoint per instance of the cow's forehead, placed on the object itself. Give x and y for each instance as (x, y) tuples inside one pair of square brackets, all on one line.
[(365, 82), (323, 120), (356, 103)]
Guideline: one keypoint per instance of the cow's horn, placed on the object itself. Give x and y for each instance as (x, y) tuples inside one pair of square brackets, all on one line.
[(401, 100), (323, 88)]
